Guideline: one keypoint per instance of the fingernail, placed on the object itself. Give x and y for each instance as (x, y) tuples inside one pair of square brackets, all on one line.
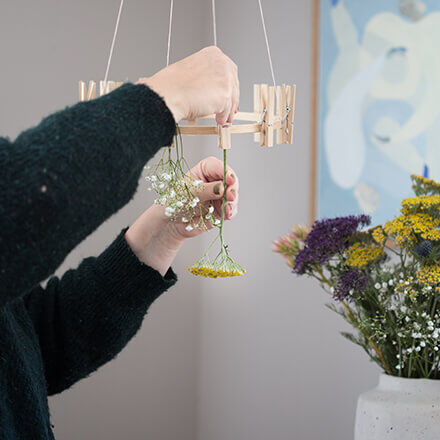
[(233, 192), (233, 176), (217, 189)]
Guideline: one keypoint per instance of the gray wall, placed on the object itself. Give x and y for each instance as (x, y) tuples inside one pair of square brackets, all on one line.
[(273, 365), (46, 47), (252, 358)]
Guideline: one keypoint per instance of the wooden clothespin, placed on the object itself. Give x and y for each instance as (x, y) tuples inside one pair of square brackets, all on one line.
[(109, 86), (192, 123), (87, 93), (281, 114), (224, 137), (290, 95), (267, 98), (258, 107)]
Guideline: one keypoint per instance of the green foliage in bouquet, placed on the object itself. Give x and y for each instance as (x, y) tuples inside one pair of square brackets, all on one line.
[(385, 281)]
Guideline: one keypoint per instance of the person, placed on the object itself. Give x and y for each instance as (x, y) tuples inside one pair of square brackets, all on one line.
[(59, 181)]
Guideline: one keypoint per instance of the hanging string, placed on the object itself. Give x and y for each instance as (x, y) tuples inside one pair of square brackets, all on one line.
[(113, 42), (169, 31), (267, 43), (214, 22)]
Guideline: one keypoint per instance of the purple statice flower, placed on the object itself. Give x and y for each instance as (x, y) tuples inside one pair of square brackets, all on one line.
[(326, 238), (349, 281)]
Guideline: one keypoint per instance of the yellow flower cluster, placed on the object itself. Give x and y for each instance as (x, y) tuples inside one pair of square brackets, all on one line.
[(429, 275), (422, 185), (407, 289), (211, 272), (360, 255), (379, 235), (406, 227), (420, 203)]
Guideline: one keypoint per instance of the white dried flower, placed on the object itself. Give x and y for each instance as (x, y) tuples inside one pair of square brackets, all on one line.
[(194, 202), (189, 228), (179, 204), (184, 220), (211, 209), (377, 286)]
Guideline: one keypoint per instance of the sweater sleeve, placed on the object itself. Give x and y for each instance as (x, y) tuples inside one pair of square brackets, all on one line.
[(84, 319), (63, 178)]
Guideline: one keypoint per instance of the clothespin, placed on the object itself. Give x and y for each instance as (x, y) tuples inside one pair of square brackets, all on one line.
[(291, 115), (224, 137), (258, 106), (192, 123), (109, 86), (281, 113), (86, 94), (267, 125)]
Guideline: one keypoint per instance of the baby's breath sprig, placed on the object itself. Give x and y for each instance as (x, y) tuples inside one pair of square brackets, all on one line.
[(222, 265), (177, 189)]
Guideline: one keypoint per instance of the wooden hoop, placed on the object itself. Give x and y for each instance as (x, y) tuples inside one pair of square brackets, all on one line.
[(263, 122)]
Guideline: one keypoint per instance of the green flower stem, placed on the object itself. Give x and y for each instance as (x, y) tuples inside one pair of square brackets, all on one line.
[(223, 202), (356, 323)]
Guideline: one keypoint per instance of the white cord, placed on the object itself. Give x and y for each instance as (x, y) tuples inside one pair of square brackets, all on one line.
[(214, 22), (169, 31), (113, 43), (267, 43)]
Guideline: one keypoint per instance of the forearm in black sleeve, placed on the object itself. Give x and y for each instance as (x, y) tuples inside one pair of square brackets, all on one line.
[(60, 180), (84, 319)]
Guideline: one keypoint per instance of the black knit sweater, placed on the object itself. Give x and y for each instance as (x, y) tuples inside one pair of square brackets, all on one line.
[(59, 181)]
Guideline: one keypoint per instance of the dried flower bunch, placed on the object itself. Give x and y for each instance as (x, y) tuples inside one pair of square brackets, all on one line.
[(385, 280), (222, 265), (177, 191)]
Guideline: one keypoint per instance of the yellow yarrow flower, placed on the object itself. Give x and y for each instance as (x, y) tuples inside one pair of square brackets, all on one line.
[(407, 227), (207, 269), (429, 275), (420, 203), (360, 255), (379, 235), (424, 186)]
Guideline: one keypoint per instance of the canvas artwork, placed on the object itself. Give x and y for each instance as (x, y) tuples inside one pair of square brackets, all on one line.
[(378, 103)]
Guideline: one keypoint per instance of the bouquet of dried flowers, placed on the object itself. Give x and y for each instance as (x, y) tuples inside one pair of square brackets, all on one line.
[(385, 281), (177, 191)]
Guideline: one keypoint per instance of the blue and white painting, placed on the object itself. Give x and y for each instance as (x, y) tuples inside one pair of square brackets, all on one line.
[(379, 103)]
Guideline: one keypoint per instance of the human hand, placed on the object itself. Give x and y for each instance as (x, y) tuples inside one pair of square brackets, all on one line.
[(202, 84), (155, 239)]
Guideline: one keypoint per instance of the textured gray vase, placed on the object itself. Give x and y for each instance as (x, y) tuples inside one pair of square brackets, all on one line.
[(399, 409)]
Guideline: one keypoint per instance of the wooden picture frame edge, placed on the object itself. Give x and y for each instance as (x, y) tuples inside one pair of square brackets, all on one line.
[(314, 118)]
